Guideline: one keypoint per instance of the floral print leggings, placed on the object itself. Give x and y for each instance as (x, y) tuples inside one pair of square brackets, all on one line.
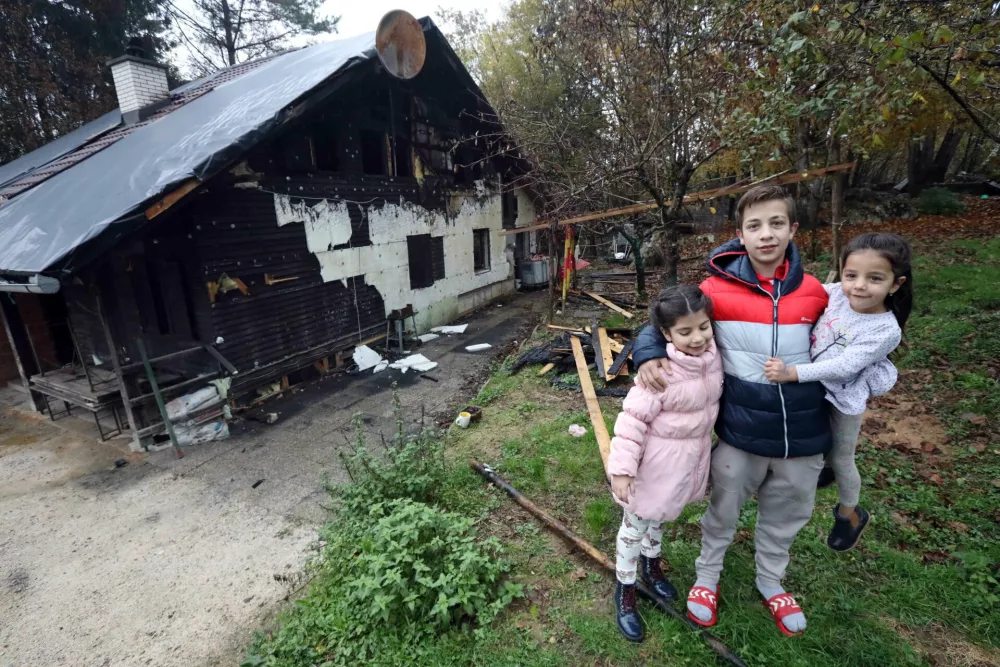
[(634, 537)]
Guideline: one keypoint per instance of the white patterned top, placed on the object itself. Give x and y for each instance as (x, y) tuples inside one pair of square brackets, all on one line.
[(850, 352)]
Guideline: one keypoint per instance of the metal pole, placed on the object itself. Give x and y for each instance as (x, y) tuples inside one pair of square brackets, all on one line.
[(159, 397), (713, 642)]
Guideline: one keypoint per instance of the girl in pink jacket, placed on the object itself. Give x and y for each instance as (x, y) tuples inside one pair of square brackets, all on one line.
[(662, 447)]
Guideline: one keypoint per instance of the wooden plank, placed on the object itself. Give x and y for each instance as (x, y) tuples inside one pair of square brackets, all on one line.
[(600, 299), (559, 328), (614, 345), (622, 357), (546, 368), (593, 407), (602, 336), (595, 343), (172, 198), (783, 179)]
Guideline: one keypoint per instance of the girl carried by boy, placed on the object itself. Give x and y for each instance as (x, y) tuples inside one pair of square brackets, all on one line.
[(861, 326)]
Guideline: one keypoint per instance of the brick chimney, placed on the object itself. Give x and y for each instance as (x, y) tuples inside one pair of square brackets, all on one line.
[(138, 82)]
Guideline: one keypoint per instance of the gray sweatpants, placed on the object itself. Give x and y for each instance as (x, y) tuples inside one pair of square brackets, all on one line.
[(846, 431), (786, 490)]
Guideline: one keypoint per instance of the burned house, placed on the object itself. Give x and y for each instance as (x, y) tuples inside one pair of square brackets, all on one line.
[(260, 221)]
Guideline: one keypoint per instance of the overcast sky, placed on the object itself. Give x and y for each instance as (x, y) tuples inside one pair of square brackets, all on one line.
[(362, 16)]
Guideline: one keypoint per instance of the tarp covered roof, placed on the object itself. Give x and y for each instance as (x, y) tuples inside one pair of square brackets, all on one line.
[(40, 226)]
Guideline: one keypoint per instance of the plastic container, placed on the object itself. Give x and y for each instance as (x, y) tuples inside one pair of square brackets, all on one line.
[(534, 273)]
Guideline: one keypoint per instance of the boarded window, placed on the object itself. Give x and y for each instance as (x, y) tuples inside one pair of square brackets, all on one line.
[(418, 249), (508, 202), (326, 147), (481, 249), (373, 155), (403, 158), (161, 295), (441, 162), (297, 152), (437, 257)]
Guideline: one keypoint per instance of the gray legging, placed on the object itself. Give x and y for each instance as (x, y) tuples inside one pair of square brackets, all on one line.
[(846, 429)]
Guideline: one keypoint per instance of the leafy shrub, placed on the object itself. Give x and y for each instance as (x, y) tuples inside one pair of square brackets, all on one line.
[(397, 575), (411, 466), (981, 578), (394, 573), (939, 201)]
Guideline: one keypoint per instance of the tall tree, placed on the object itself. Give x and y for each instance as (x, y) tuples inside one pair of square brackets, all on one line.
[(613, 102), (53, 54), (220, 33)]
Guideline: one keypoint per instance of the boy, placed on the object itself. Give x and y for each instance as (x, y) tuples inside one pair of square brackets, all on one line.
[(771, 437)]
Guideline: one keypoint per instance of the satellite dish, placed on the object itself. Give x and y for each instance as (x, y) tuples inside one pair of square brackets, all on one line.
[(400, 43)]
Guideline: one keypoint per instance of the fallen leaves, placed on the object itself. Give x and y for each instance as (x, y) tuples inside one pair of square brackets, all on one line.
[(958, 526), (973, 418)]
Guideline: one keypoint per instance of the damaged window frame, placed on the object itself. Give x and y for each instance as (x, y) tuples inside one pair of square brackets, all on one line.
[(481, 250)]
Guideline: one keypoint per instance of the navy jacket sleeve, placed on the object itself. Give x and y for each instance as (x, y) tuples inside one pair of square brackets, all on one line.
[(649, 344)]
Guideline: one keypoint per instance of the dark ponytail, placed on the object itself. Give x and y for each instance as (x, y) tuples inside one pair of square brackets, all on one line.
[(675, 302), (897, 252)]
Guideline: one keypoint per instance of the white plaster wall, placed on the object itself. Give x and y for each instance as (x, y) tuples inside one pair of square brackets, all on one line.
[(385, 263), (327, 224)]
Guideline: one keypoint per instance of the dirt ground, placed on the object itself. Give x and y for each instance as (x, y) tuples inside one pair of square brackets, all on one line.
[(170, 562)]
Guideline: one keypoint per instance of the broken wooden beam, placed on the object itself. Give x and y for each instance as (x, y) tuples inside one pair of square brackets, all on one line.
[(605, 351), (171, 198), (595, 344), (619, 363), (546, 368), (560, 328), (724, 191), (593, 407), (601, 300)]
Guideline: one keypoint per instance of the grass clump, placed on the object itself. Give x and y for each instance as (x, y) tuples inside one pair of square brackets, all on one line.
[(939, 201)]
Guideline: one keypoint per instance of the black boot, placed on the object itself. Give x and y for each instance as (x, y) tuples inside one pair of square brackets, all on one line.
[(844, 536), (826, 478), (652, 575), (628, 617)]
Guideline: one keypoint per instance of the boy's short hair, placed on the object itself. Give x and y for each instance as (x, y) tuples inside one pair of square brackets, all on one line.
[(761, 193)]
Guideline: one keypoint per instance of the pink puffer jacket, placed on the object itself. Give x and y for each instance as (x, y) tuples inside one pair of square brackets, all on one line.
[(664, 440)]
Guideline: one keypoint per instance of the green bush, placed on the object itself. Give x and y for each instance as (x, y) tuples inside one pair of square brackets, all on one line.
[(394, 574), (939, 201), (409, 466), (397, 576)]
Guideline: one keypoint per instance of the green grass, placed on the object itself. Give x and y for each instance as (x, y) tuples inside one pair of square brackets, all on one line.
[(921, 588)]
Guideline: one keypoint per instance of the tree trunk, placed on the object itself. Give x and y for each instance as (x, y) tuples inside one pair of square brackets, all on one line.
[(856, 171), (802, 165), (227, 21), (970, 149), (731, 200), (836, 204), (670, 216), (640, 265), (945, 154), (914, 159)]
